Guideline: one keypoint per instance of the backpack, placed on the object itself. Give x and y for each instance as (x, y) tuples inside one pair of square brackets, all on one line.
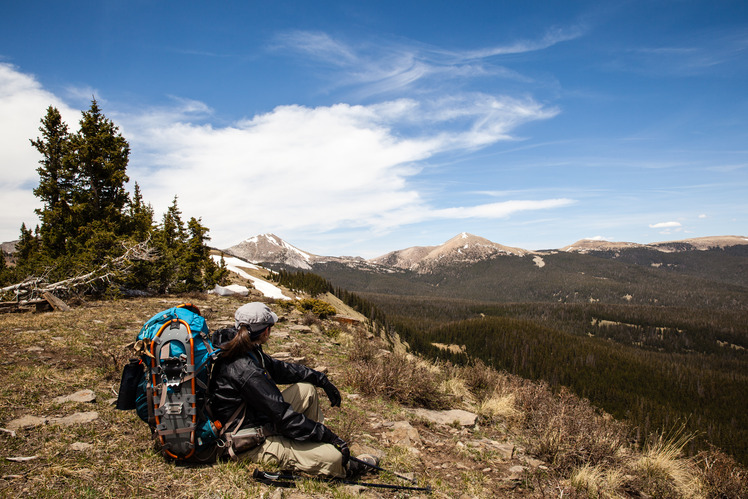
[(172, 393)]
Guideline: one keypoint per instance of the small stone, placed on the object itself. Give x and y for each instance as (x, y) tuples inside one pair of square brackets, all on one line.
[(358, 449), (26, 422), (463, 418), (506, 450), (533, 462), (516, 472), (80, 446), (404, 434), (77, 418), (83, 396), (301, 329), (354, 490), (281, 355)]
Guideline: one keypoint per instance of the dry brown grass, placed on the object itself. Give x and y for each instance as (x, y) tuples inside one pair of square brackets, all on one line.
[(53, 354), (598, 481), (666, 470), (391, 375)]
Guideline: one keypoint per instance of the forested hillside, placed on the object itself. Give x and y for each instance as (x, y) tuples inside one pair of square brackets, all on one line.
[(660, 345)]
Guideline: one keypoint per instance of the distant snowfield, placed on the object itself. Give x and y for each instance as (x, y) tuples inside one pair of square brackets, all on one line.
[(267, 289)]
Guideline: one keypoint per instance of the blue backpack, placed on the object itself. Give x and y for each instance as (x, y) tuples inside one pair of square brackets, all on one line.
[(172, 395)]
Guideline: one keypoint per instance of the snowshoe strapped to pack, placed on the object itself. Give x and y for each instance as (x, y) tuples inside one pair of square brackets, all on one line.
[(171, 396)]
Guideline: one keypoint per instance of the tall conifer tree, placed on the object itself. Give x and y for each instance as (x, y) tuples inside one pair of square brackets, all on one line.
[(55, 187)]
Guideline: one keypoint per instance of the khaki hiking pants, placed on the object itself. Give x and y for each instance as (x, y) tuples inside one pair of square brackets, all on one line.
[(311, 457)]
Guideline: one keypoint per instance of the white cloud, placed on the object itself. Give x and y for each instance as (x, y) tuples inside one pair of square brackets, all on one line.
[(23, 102), (664, 225), (315, 169), (703, 216), (294, 170)]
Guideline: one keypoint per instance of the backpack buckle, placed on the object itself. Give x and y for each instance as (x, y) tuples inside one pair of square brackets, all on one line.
[(173, 408)]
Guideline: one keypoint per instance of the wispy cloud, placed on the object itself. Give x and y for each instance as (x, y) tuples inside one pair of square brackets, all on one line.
[(702, 51), (664, 225), (388, 65)]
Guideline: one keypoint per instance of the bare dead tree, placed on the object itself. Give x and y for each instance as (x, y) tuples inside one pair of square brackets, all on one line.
[(30, 291)]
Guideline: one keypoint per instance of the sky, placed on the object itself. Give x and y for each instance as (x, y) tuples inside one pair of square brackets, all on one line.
[(358, 128)]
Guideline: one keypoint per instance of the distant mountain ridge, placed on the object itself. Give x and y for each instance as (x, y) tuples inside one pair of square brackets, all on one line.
[(464, 248)]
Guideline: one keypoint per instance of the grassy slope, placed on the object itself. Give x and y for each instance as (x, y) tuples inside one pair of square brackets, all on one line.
[(53, 354)]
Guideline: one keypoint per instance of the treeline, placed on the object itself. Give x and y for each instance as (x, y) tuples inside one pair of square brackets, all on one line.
[(689, 376), (655, 366), (569, 278), (302, 281), (88, 217)]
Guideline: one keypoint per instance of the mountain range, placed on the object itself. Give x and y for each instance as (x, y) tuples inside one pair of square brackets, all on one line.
[(464, 248), (710, 272)]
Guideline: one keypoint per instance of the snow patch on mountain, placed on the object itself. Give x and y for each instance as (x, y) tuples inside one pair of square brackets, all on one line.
[(237, 266)]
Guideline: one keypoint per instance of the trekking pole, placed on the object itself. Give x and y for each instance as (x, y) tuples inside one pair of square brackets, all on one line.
[(281, 480), (374, 466)]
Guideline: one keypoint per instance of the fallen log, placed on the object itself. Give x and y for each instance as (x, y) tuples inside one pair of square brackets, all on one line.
[(55, 302)]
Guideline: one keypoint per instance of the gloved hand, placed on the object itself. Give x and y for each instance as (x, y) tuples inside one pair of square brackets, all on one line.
[(332, 393), (338, 443)]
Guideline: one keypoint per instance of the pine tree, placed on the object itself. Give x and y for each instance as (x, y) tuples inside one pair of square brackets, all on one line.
[(28, 253), (140, 216), (100, 155), (55, 183)]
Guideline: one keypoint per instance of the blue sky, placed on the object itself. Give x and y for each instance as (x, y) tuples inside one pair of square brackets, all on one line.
[(357, 128)]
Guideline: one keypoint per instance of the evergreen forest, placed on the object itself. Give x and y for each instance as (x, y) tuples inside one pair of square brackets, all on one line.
[(674, 355), (88, 221)]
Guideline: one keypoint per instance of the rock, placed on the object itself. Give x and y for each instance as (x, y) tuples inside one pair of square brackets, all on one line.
[(299, 328), (80, 446), (77, 418), (506, 450), (231, 290), (282, 335), (281, 355), (322, 369), (463, 418), (83, 396), (404, 434), (354, 490), (532, 462), (26, 422), (358, 449), (516, 472)]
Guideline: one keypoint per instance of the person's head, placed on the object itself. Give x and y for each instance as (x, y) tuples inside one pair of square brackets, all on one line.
[(252, 322)]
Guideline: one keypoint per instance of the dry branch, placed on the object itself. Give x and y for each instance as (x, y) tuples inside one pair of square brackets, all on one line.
[(35, 290)]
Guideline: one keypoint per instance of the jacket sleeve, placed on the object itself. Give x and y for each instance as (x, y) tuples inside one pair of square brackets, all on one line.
[(285, 373), (265, 397)]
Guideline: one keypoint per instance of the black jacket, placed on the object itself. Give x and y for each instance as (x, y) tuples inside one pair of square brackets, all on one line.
[(252, 378)]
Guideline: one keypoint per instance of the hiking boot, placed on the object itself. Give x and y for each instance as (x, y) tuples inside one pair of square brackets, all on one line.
[(361, 466)]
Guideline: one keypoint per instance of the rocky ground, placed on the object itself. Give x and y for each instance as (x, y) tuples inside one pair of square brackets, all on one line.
[(62, 436)]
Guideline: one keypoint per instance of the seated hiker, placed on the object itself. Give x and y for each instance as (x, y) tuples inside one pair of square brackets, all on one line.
[(288, 425)]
